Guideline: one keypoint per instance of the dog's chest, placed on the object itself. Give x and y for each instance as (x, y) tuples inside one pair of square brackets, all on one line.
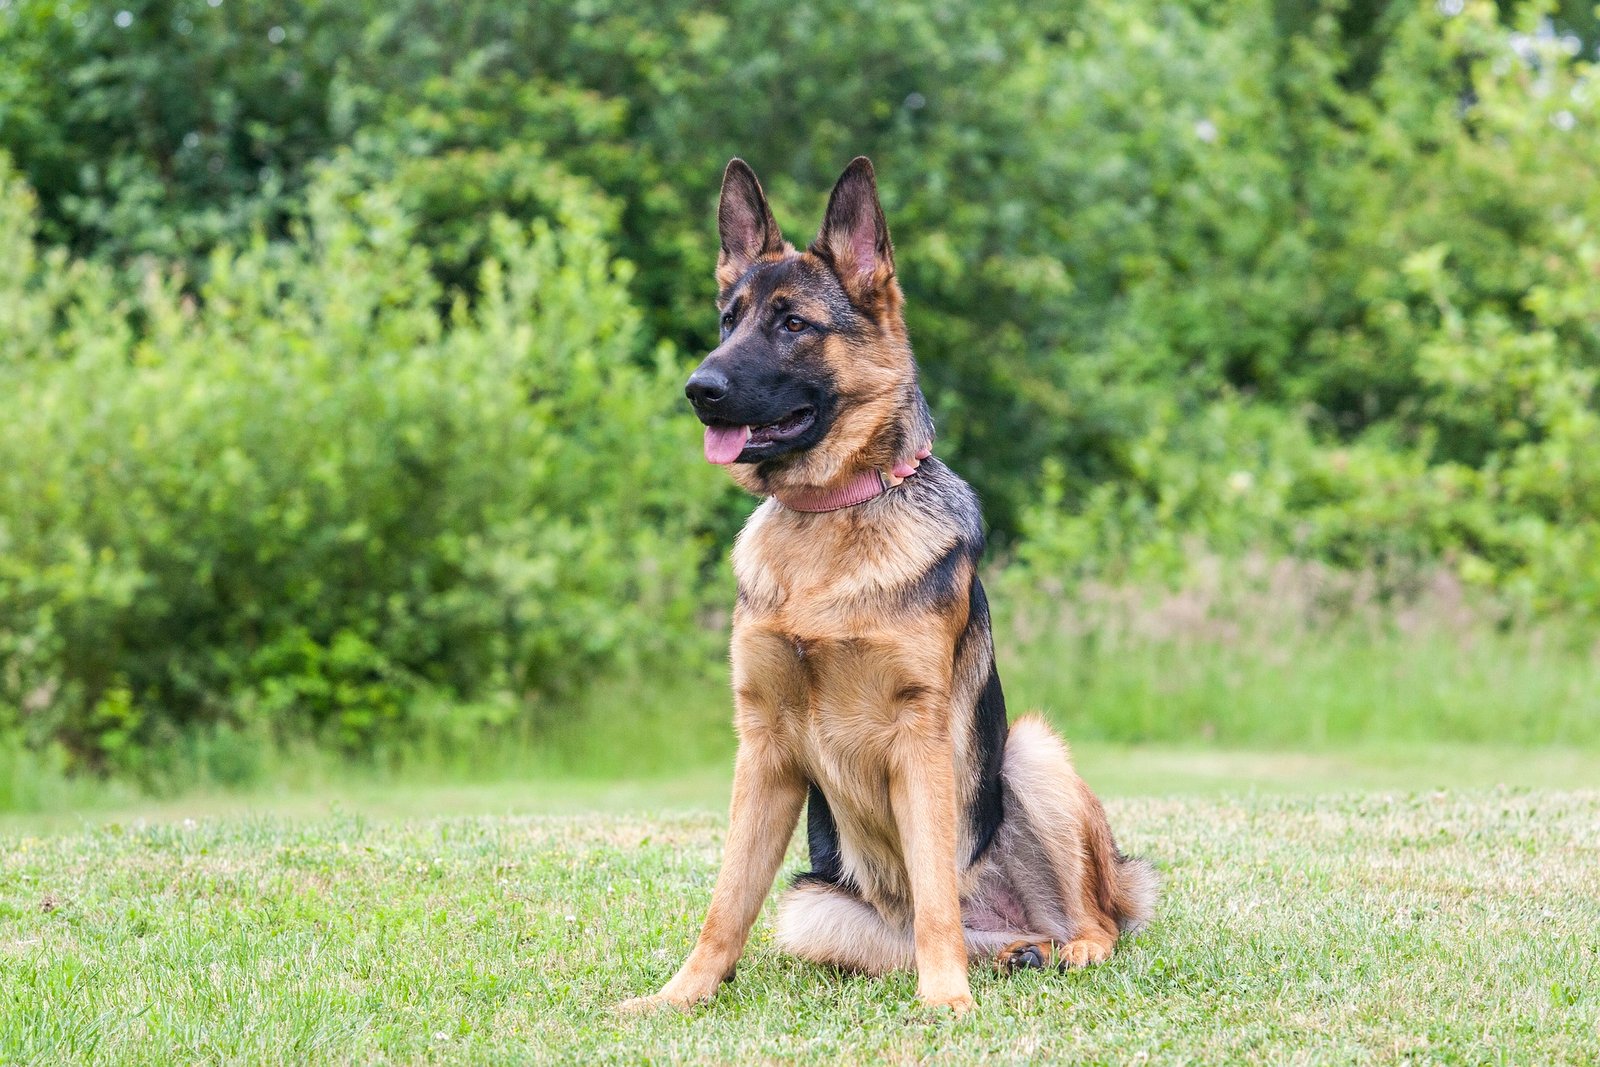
[(827, 657), (832, 575), (832, 700)]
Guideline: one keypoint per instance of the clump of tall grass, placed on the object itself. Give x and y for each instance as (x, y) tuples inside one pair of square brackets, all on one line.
[(1282, 652), (1250, 652)]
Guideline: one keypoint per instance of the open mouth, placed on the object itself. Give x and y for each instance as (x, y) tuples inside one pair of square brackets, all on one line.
[(726, 442)]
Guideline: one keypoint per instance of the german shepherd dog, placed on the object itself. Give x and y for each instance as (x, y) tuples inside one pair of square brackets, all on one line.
[(863, 667)]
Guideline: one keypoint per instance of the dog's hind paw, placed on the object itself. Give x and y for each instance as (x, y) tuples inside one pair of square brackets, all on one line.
[(1023, 955), (1083, 952)]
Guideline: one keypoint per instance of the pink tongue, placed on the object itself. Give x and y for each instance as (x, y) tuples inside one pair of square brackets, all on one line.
[(724, 443)]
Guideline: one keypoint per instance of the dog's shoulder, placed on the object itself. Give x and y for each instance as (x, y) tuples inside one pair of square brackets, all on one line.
[(940, 509), (939, 500)]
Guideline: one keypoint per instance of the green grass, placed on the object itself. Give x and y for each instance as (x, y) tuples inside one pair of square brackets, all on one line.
[(1454, 925), (527, 785)]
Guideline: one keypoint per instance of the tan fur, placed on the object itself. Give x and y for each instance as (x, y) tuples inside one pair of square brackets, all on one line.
[(850, 676)]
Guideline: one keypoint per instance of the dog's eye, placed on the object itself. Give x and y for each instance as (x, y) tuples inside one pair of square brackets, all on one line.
[(727, 320), (794, 324)]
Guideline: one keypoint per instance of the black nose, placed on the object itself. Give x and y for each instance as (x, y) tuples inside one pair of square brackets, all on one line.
[(706, 386)]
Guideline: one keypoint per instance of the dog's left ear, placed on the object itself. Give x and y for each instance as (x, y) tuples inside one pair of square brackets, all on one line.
[(854, 235)]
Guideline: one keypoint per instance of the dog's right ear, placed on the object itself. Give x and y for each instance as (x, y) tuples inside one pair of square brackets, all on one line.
[(744, 222)]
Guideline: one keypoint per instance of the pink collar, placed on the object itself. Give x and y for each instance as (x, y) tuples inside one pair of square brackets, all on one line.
[(858, 490)]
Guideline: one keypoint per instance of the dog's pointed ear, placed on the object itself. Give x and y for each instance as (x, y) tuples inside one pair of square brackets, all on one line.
[(744, 222), (854, 235)]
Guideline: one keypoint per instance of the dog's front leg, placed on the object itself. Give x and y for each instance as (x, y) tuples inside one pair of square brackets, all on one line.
[(767, 794), (922, 795)]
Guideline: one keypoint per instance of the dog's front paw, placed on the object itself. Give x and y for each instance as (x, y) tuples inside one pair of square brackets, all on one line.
[(682, 993), (957, 996), (667, 998), (646, 1005)]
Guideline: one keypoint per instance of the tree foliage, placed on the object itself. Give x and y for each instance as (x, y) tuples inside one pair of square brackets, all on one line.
[(343, 343), (299, 499)]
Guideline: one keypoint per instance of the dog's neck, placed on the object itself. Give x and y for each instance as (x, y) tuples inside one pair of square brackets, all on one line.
[(868, 485)]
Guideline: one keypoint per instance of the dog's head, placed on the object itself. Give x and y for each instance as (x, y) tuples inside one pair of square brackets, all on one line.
[(814, 379)]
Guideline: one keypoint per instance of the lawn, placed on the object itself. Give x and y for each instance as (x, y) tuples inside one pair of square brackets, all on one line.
[(1458, 924)]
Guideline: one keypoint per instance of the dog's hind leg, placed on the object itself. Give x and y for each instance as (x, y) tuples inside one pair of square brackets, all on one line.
[(1080, 892), (1014, 915), (828, 924)]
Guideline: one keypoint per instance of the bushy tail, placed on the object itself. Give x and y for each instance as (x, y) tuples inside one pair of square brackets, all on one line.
[(1133, 890)]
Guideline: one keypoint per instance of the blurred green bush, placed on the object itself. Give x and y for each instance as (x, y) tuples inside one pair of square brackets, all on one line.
[(1437, 402), (295, 435), (298, 500)]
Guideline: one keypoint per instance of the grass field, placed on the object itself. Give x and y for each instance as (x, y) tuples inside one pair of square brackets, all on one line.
[(1298, 924)]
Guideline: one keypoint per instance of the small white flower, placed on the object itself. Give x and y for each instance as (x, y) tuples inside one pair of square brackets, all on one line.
[(1206, 130), (1563, 120), (1241, 481), (276, 35), (1451, 7), (124, 19)]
